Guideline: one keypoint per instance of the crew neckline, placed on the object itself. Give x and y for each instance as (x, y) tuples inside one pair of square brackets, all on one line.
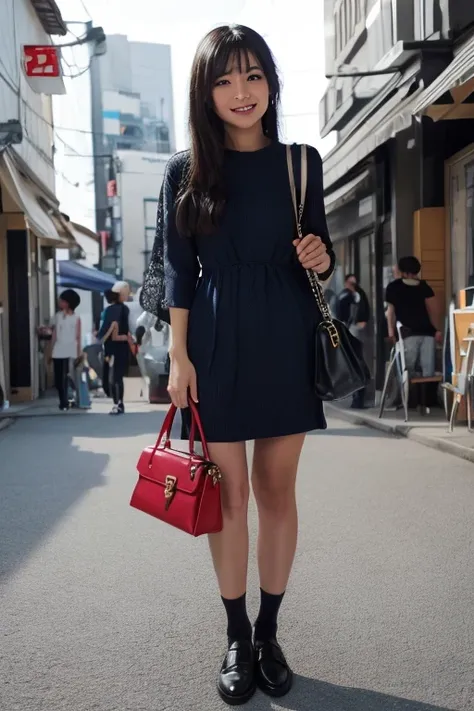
[(234, 151)]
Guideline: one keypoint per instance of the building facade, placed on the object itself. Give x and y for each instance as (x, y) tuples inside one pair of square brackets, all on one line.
[(31, 224), (385, 179), (139, 177), (138, 119)]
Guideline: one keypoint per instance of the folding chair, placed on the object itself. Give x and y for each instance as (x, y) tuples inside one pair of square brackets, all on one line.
[(397, 363), (464, 385), (398, 360)]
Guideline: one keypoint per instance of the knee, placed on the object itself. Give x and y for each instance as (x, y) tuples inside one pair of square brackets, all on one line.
[(235, 500), (275, 499)]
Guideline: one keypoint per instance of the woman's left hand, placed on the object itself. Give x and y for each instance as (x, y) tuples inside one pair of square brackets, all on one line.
[(312, 253)]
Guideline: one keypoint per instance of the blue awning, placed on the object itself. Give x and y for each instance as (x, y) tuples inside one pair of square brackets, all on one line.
[(74, 275)]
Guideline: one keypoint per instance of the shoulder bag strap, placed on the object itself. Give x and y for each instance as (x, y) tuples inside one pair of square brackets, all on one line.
[(304, 182), (313, 278)]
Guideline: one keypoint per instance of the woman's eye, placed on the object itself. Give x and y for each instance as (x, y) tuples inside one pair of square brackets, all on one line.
[(222, 82), (254, 77)]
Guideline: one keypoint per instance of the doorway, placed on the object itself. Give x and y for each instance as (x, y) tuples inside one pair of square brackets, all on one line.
[(18, 311), (363, 264)]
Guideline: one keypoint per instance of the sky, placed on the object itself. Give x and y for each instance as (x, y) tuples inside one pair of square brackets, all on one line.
[(294, 30)]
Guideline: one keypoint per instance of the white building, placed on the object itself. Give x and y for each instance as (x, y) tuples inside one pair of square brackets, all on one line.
[(138, 121), (139, 179)]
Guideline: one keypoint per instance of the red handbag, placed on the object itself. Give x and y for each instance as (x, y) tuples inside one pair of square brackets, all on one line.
[(179, 488)]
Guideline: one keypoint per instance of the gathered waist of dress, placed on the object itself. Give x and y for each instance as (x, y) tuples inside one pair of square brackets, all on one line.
[(219, 268)]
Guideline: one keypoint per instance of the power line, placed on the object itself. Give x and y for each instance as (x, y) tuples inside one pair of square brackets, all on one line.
[(85, 9), (51, 125), (9, 82), (79, 73)]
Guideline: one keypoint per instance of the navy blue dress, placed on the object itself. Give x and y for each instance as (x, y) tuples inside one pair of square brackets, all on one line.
[(252, 313)]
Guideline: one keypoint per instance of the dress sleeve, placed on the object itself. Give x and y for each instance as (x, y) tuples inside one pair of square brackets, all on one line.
[(181, 266), (316, 214)]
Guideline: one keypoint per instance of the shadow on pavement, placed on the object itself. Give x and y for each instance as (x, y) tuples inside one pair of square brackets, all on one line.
[(40, 480), (311, 694), (44, 472)]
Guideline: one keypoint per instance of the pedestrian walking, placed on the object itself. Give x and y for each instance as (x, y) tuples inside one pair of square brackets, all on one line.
[(412, 302), (353, 309), (115, 334), (112, 298), (66, 343), (243, 320)]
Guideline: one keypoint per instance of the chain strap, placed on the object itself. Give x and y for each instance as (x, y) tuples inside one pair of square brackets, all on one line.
[(314, 280)]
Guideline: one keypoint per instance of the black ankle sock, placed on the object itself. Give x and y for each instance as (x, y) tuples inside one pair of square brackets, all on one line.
[(266, 624), (238, 623)]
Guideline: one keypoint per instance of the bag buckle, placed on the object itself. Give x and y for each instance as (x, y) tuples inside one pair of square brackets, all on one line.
[(333, 333), (214, 472), (170, 490)]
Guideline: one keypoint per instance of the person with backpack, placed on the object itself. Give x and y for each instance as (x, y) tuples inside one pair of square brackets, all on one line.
[(115, 334)]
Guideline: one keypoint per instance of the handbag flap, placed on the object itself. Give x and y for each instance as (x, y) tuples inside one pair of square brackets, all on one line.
[(188, 469)]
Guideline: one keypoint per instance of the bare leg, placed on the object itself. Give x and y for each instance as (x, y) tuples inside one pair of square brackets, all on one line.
[(230, 548), (275, 465), (273, 478)]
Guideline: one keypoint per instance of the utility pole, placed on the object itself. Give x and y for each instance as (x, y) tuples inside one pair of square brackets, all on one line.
[(97, 123)]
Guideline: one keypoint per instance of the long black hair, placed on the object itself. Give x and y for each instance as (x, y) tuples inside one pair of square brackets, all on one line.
[(202, 196)]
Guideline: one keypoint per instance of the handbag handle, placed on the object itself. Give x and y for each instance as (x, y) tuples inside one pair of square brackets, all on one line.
[(165, 432), (313, 278)]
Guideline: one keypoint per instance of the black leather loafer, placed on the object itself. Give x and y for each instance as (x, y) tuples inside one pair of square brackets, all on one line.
[(236, 683), (273, 675)]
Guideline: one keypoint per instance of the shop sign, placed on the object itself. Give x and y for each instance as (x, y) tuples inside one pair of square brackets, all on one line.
[(42, 67)]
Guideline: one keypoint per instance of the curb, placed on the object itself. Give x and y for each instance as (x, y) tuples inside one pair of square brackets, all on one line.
[(6, 422), (442, 445)]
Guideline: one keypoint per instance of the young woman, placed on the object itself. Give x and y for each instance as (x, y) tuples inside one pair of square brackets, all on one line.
[(243, 323), (66, 342)]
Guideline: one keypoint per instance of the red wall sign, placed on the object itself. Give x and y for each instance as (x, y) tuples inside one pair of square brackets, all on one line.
[(41, 61)]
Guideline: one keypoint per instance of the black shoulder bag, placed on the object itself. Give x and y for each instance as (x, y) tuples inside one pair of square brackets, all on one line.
[(340, 368)]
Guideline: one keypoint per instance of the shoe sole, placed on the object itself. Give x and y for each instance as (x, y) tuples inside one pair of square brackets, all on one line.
[(237, 700), (276, 691)]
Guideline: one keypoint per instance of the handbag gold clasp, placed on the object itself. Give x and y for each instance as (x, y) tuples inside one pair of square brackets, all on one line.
[(214, 472), (170, 490)]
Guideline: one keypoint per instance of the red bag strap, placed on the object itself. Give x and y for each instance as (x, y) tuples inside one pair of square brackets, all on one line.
[(165, 432)]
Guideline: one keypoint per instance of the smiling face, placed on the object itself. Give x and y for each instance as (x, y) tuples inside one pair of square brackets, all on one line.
[(241, 95)]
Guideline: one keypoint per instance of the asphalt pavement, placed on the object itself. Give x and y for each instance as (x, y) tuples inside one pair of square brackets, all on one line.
[(106, 609)]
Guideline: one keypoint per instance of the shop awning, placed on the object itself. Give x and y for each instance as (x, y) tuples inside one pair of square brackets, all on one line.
[(345, 193), (78, 276), (395, 115), (87, 241), (450, 96), (41, 217)]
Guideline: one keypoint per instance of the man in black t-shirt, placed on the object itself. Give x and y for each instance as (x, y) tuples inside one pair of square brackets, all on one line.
[(411, 301)]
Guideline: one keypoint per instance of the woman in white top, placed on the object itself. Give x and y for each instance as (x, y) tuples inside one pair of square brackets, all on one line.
[(66, 342)]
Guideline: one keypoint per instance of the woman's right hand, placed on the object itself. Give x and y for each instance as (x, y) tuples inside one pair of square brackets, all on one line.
[(182, 378)]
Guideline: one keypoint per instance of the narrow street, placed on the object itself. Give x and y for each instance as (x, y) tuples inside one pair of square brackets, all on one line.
[(105, 609)]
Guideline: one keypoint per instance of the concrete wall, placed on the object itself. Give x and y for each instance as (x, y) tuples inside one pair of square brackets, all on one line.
[(139, 179), (406, 186)]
